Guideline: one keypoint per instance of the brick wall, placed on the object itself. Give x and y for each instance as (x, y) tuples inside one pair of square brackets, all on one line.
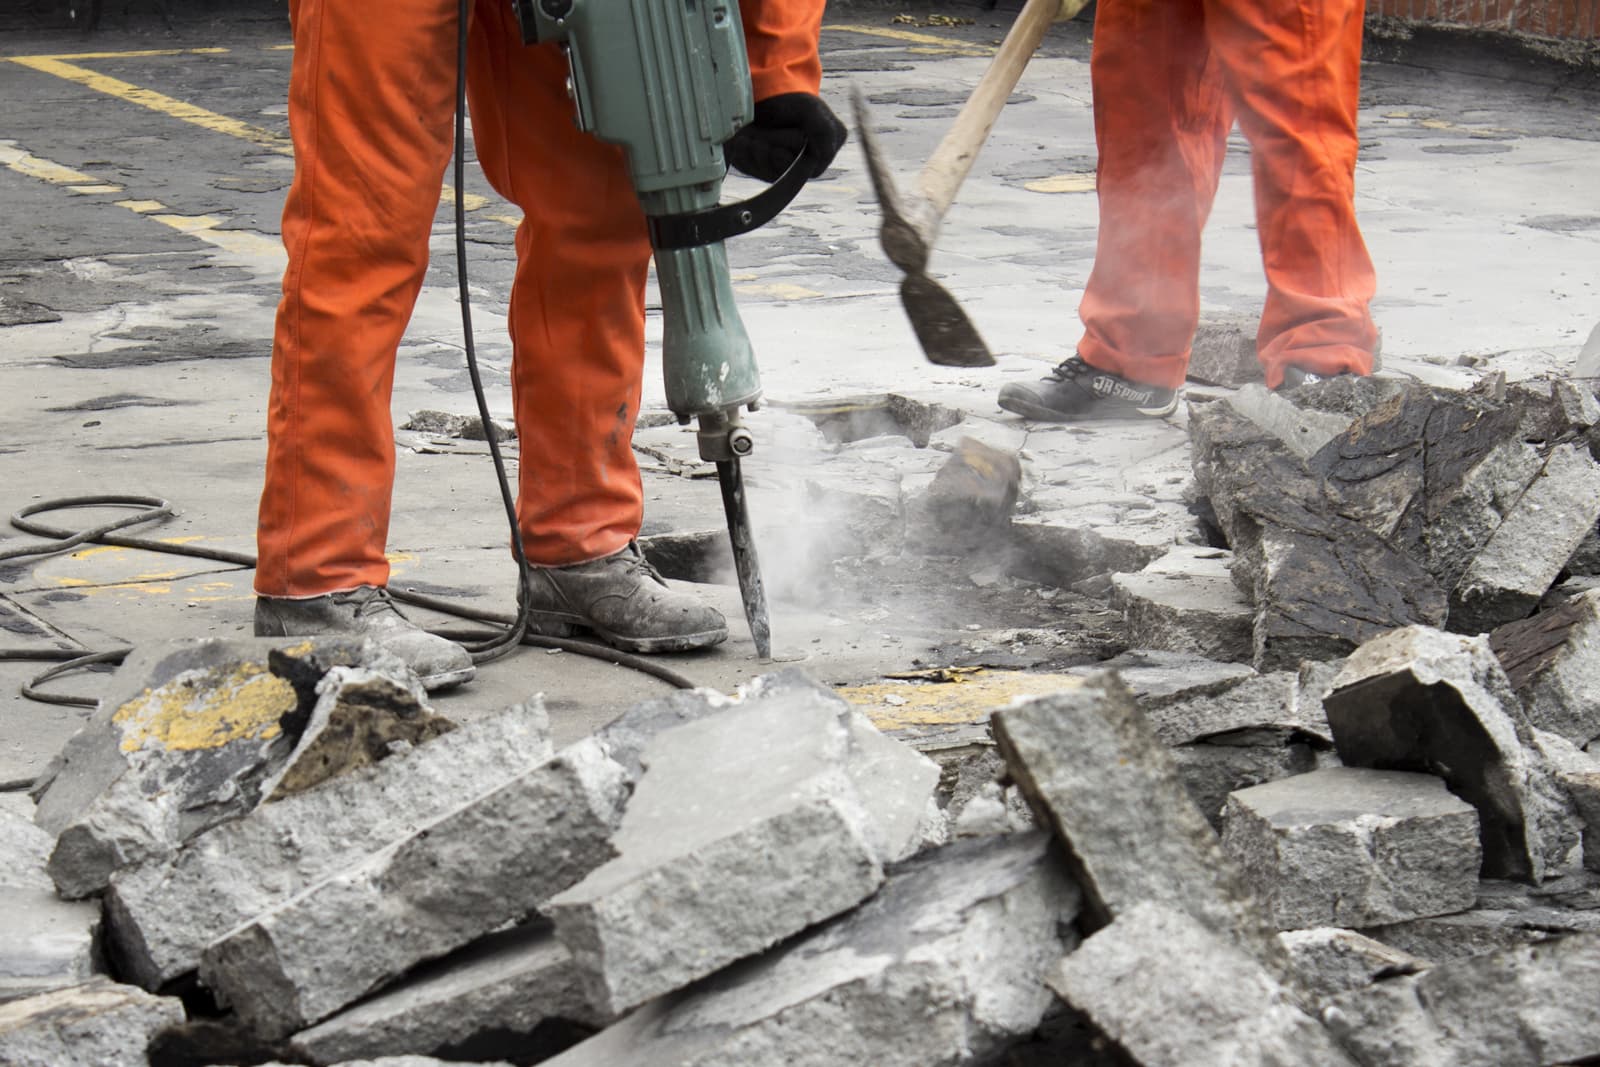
[(1574, 19)]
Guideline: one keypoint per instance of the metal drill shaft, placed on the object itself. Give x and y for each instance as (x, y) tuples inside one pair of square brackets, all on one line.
[(744, 555)]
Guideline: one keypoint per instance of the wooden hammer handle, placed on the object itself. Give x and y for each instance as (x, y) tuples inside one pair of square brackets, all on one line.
[(950, 162)]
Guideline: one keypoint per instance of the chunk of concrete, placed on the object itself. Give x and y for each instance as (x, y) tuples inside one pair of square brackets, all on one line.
[(944, 966), (1093, 770), (1279, 700), (969, 501), (45, 943), (1578, 772), (1353, 847), (1058, 548), (1553, 662), (1507, 915), (1516, 567), (1303, 431), (1174, 993), (1224, 352), (161, 916), (506, 985), (489, 862), (1421, 700), (190, 735), (1462, 520), (96, 1024), (1330, 961), (792, 776), (1187, 601), (1526, 1007)]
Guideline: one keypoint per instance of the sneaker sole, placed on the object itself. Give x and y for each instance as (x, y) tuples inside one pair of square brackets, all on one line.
[(557, 626), (437, 683), (1101, 413)]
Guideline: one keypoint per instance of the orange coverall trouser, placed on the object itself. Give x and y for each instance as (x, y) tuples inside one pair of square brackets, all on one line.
[(1169, 77), (371, 111)]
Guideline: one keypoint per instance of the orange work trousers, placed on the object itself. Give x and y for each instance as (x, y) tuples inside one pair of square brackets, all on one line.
[(371, 111), (1169, 78)]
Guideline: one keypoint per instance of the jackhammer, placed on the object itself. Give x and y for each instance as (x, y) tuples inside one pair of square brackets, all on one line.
[(668, 81)]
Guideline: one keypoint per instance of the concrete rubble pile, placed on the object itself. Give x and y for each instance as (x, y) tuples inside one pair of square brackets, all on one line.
[(767, 878)]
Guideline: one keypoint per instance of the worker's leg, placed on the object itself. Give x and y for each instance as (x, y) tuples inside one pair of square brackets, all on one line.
[(1294, 73), (1161, 128), (577, 330), (370, 104)]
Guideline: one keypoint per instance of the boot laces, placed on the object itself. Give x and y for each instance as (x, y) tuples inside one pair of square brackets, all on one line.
[(369, 600), (1070, 370)]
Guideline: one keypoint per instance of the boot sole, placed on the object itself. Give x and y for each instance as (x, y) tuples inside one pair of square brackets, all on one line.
[(438, 683), (556, 626), (1099, 413)]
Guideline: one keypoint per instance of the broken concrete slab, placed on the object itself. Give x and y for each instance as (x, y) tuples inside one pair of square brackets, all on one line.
[(45, 943), (188, 736), (1525, 1007), (1219, 765), (713, 794), (1174, 992), (96, 1024), (968, 503), (1224, 352), (1515, 568), (944, 966), (1352, 847), (1553, 662), (1330, 961), (1158, 679), (1304, 431), (361, 717), (1460, 522), (162, 915), (1422, 700), (1507, 915), (1579, 774), (1187, 601), (491, 861), (1095, 772), (506, 986), (1058, 548), (1245, 701)]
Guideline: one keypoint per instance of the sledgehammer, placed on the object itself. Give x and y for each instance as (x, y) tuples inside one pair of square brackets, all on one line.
[(911, 224)]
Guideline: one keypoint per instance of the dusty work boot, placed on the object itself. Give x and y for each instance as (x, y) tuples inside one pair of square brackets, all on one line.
[(367, 611), (624, 602), (1075, 390)]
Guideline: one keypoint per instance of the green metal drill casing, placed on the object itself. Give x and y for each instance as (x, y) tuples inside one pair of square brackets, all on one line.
[(669, 82)]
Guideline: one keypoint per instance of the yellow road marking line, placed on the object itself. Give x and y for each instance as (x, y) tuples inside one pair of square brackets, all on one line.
[(143, 207), (187, 112), (1062, 183), (29, 165), (941, 44), (155, 101), (129, 55), (239, 242), (87, 189)]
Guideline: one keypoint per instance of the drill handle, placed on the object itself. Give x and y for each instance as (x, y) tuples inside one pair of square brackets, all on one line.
[(711, 225)]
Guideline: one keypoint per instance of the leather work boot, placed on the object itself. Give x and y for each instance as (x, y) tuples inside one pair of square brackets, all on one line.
[(1075, 390), (367, 611), (622, 600)]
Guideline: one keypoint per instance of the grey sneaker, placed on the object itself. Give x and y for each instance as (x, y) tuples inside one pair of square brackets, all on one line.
[(367, 611), (624, 602), (1076, 391)]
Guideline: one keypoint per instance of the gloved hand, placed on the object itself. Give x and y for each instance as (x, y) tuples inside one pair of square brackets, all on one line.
[(783, 124)]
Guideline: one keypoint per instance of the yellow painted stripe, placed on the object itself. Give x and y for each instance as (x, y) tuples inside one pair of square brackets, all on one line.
[(143, 207), (239, 242), (30, 165), (129, 55), (98, 188), (1062, 183), (471, 201), (155, 101), (941, 44)]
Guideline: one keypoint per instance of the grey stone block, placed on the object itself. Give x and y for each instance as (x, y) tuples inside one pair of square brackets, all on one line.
[(1224, 352), (746, 827), (1464, 519), (1175, 994), (1058, 548), (190, 734), (45, 943), (1422, 700), (1354, 847), (490, 862), (944, 966), (1279, 700), (1578, 773), (506, 984), (1516, 567), (1532, 1006), (1219, 765), (1093, 770), (1303, 431), (1553, 662), (162, 915), (1330, 961), (1507, 915), (1187, 601), (97, 1024)]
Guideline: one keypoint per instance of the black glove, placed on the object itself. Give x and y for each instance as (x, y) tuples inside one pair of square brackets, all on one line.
[(784, 124)]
